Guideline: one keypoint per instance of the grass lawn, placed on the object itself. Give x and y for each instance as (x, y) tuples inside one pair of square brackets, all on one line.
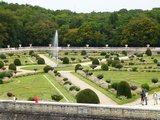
[(107, 93), (30, 86), (136, 78), (32, 67)]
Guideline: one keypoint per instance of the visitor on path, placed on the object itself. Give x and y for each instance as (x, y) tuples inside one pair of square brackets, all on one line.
[(14, 99), (36, 99), (146, 98), (155, 98), (142, 97)]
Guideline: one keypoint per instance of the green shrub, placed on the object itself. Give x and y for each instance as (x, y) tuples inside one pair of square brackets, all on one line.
[(134, 69), (107, 56), (100, 76), (83, 52), (57, 97), (116, 58), (67, 82), (65, 60), (124, 53), (155, 60), (87, 96), (78, 67), (17, 62), (108, 81), (114, 85), (158, 64), (40, 61), (115, 62), (103, 53), (148, 52), (10, 54), (145, 86), (12, 67), (2, 56), (1, 64), (158, 52), (139, 54), (109, 62), (131, 63), (154, 80), (31, 99), (31, 52), (93, 66), (47, 68), (66, 53), (65, 79), (119, 66), (104, 67), (1, 81), (8, 74), (55, 71), (74, 88), (95, 61), (123, 89)]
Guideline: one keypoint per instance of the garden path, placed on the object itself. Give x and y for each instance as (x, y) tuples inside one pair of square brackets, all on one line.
[(83, 85)]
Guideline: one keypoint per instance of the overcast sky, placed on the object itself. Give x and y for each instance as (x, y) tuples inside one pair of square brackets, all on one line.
[(91, 5)]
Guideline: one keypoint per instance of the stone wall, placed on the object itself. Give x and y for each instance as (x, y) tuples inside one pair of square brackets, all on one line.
[(69, 111)]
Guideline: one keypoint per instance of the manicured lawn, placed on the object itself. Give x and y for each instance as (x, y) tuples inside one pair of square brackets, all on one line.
[(136, 78), (32, 67), (30, 86)]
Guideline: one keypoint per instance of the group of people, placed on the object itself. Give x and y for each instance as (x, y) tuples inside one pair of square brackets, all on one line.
[(35, 99), (144, 97)]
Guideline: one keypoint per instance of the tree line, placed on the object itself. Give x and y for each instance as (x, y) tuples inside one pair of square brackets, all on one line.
[(25, 24)]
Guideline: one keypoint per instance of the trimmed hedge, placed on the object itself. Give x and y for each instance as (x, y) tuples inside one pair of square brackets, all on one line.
[(47, 68), (17, 62), (148, 52), (65, 60), (2, 56), (78, 67), (12, 67), (123, 89), (56, 97), (95, 61), (83, 52), (87, 96), (104, 67), (145, 86), (154, 80), (40, 61), (1, 64)]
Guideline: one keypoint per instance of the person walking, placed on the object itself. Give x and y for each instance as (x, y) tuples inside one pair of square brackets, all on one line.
[(14, 99), (36, 99), (155, 98), (146, 98), (142, 97)]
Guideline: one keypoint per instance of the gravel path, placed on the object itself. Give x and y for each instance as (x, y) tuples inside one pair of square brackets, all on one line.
[(83, 85), (48, 61)]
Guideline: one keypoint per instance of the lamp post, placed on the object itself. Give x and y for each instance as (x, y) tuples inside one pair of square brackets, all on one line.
[(30, 45), (126, 46), (106, 45), (8, 46), (87, 45), (68, 45)]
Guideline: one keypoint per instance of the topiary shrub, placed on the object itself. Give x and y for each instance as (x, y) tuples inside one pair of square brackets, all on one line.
[(131, 63), (65, 79), (31, 52), (57, 97), (12, 67), (1, 64), (108, 81), (40, 61), (55, 71), (116, 58), (100, 76), (67, 82), (154, 80), (17, 62), (78, 67), (83, 52), (87, 96), (104, 67), (148, 52), (124, 53), (123, 89), (115, 62), (47, 68), (93, 66), (10, 54), (119, 66), (74, 88), (103, 53), (114, 85), (65, 60), (134, 69), (109, 62), (155, 61), (66, 53), (2, 56), (8, 74), (107, 56), (95, 61), (145, 86), (73, 59)]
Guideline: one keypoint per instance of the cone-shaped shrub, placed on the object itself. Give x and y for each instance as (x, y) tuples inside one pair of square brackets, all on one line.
[(123, 89), (17, 62)]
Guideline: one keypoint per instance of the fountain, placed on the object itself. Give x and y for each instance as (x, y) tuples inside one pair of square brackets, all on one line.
[(55, 47)]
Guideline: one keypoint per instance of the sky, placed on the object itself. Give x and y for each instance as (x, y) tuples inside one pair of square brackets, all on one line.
[(87, 6)]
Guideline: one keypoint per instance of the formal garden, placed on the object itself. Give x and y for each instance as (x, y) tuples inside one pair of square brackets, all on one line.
[(119, 75)]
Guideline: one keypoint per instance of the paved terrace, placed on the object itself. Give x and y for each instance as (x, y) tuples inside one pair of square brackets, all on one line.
[(132, 49)]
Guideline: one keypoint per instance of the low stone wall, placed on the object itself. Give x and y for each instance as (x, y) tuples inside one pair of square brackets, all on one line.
[(69, 111)]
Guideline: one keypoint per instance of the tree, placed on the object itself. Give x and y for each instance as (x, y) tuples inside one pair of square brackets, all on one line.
[(78, 67), (104, 67), (140, 32), (95, 61), (87, 96), (123, 89), (17, 62), (47, 68)]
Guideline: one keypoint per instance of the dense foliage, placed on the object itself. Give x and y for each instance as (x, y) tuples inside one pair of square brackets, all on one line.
[(1, 64), (47, 68), (123, 89), (25, 24), (17, 62), (87, 96), (40, 61), (12, 67)]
